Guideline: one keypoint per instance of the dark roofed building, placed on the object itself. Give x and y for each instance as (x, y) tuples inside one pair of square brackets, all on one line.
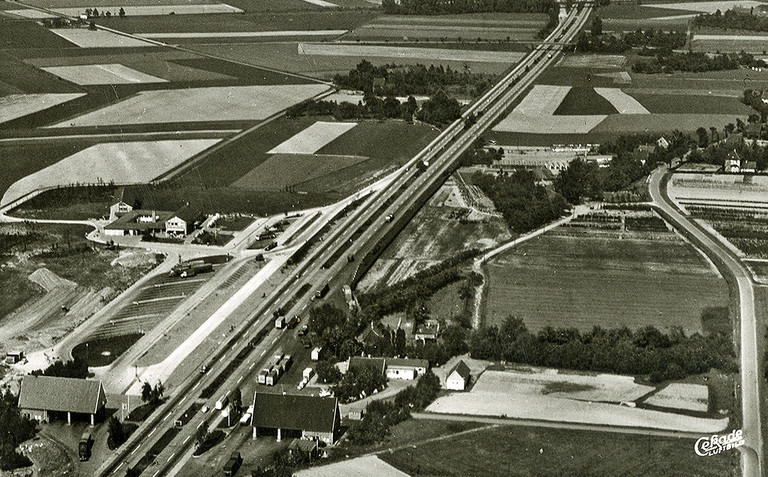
[(306, 416), (137, 221), (41, 395), (358, 363)]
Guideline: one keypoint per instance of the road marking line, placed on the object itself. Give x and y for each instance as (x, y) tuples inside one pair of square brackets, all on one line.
[(170, 457), (183, 399), (153, 431), (263, 352), (134, 450), (239, 379), (185, 440), (155, 474), (252, 365), (225, 356), (274, 339), (196, 385), (166, 417)]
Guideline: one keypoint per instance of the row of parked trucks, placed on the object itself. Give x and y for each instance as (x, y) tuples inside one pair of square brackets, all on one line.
[(276, 368)]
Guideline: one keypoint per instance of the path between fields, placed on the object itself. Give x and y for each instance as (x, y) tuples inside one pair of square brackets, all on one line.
[(477, 266)]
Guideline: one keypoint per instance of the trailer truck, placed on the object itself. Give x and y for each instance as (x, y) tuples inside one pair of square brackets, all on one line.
[(84, 447)]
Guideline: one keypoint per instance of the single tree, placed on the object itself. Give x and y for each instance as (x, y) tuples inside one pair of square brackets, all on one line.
[(146, 392), (121, 12), (116, 433)]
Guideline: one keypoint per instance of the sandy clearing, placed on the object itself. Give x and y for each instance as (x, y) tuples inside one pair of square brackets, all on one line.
[(321, 3), (537, 124), (312, 139), (17, 105), (226, 103), (369, 466), (122, 162), (102, 74), (619, 77), (521, 405), (624, 103), (85, 38), (542, 100), (244, 34), (691, 397), (322, 49), (663, 123), (707, 7), (536, 381), (152, 10)]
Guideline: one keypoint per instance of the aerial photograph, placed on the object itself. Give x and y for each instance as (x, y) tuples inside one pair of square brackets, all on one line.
[(383, 238)]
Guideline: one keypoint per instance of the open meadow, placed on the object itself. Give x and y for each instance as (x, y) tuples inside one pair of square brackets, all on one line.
[(524, 451), (585, 278)]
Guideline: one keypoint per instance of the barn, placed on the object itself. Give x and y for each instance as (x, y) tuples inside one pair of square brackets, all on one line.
[(296, 415), (44, 397)]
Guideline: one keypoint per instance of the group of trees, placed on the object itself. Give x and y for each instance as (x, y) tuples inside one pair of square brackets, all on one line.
[(646, 351), (668, 62), (717, 153), (116, 433), (439, 109), (14, 429), (524, 204), (94, 13), (731, 20), (152, 395), (754, 98), (394, 80), (77, 368), (381, 415), (599, 42), (335, 331), (371, 107), (358, 383)]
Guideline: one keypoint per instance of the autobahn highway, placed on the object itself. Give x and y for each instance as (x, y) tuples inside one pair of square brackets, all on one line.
[(752, 454), (360, 228)]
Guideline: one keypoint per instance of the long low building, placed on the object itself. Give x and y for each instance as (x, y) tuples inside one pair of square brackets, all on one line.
[(296, 415), (43, 397)]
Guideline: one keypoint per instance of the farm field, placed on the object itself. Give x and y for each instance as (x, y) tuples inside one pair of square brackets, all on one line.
[(102, 74), (524, 451), (198, 104), (707, 6), (753, 43), (426, 54), (695, 102), (287, 170), (313, 138), (86, 38), (19, 105), (129, 162), (504, 393), (565, 279)]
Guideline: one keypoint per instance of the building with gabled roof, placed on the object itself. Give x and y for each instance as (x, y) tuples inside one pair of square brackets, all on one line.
[(358, 363), (458, 377), (404, 368), (301, 415), (41, 395), (123, 202), (182, 221)]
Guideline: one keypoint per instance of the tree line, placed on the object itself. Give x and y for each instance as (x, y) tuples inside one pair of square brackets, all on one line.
[(652, 40), (731, 20), (668, 62), (646, 351), (14, 429), (371, 107)]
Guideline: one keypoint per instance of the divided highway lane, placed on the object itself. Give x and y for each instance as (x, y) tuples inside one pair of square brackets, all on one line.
[(752, 456)]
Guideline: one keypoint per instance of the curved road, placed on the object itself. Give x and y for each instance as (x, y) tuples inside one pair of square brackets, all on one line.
[(752, 459)]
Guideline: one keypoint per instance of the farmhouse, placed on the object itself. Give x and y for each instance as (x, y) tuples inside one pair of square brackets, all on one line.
[(138, 222), (122, 203), (183, 221), (409, 369), (44, 397), (299, 415), (429, 330), (458, 377), (13, 357)]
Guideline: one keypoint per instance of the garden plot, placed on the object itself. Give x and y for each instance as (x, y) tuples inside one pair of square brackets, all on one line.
[(283, 170), (499, 393), (708, 7), (624, 103), (321, 3), (313, 138), (325, 49), (735, 188), (86, 38), (102, 74), (18, 105), (125, 162), (592, 61), (683, 396), (228, 103)]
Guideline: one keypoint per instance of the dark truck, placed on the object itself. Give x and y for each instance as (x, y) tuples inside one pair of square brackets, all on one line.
[(190, 269), (322, 292), (234, 462), (84, 447)]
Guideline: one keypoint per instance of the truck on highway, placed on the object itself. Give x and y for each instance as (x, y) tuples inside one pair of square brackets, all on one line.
[(263, 375), (317, 354), (293, 322), (323, 291), (84, 446), (272, 377), (222, 402), (233, 464), (280, 322), (307, 373)]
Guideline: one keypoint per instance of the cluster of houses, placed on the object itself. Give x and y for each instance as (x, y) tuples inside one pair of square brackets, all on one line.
[(127, 218)]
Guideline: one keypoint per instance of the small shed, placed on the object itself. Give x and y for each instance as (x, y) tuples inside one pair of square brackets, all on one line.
[(13, 357), (458, 377)]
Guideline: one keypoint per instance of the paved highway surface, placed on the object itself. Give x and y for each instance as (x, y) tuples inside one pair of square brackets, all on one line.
[(752, 460)]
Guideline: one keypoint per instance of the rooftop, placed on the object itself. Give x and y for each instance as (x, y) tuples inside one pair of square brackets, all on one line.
[(295, 411), (53, 393)]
